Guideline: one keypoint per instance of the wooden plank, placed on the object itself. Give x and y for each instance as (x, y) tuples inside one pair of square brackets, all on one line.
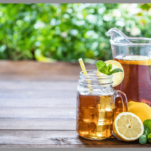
[(38, 85), (37, 94), (37, 89), (44, 138), (71, 146), (38, 102), (52, 113), (32, 70), (38, 124)]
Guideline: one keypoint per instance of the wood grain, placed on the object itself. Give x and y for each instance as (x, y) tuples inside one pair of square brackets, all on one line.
[(33, 90), (57, 138), (37, 94), (52, 113), (32, 70), (72, 146), (38, 124), (38, 102)]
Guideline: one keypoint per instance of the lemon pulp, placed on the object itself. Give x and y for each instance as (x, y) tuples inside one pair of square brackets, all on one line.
[(128, 127)]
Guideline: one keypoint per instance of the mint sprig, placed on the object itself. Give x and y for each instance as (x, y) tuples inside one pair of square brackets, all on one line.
[(145, 136), (146, 131), (143, 139), (103, 68)]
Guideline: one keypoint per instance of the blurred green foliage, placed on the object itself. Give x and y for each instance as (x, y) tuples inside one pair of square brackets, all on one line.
[(66, 32)]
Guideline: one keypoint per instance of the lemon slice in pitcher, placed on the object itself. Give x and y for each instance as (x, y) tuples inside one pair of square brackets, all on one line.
[(117, 77), (128, 127)]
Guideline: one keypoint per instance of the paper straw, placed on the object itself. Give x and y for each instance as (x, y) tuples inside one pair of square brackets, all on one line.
[(85, 72)]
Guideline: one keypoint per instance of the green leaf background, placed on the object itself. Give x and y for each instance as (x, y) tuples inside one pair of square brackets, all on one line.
[(66, 32)]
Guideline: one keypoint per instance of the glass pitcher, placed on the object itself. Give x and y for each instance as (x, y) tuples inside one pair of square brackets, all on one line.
[(96, 106), (135, 56)]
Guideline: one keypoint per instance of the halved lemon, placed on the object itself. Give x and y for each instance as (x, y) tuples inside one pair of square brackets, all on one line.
[(117, 77), (128, 127)]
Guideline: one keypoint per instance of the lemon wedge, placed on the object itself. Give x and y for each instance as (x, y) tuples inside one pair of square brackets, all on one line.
[(128, 127)]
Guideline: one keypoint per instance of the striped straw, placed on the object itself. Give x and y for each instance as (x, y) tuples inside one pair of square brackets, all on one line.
[(85, 72)]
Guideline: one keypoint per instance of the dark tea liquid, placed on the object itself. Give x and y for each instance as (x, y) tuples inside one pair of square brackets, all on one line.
[(95, 116), (137, 80)]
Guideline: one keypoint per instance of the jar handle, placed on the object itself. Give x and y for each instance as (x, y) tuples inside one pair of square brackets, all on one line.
[(123, 97)]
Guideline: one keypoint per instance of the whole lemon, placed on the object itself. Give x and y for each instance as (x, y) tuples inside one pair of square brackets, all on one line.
[(142, 110)]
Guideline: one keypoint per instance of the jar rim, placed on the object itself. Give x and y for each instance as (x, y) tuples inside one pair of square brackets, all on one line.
[(92, 73)]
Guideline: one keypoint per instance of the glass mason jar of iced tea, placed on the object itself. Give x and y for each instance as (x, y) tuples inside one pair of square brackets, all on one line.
[(96, 105), (134, 54)]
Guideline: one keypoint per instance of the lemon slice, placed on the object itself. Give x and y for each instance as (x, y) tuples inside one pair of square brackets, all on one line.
[(117, 77), (128, 127)]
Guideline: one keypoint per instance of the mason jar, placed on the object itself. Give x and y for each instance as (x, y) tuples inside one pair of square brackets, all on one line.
[(96, 105)]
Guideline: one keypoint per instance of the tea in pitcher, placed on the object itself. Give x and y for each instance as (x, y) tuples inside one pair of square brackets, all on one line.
[(137, 78), (134, 53)]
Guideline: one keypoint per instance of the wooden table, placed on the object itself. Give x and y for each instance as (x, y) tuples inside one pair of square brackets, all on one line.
[(38, 106)]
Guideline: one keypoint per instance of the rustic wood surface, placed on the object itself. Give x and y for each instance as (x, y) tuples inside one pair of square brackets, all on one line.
[(38, 106)]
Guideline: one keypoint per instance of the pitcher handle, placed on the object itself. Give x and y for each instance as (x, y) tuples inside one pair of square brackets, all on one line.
[(123, 97)]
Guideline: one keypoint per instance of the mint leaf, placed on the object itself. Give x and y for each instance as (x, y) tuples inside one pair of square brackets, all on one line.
[(143, 139), (146, 131), (115, 71), (109, 67), (149, 137), (102, 67)]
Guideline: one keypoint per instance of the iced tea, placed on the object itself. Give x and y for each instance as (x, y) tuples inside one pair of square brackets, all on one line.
[(95, 116), (137, 79)]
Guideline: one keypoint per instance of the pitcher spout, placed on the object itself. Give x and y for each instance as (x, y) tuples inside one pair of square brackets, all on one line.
[(118, 34)]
